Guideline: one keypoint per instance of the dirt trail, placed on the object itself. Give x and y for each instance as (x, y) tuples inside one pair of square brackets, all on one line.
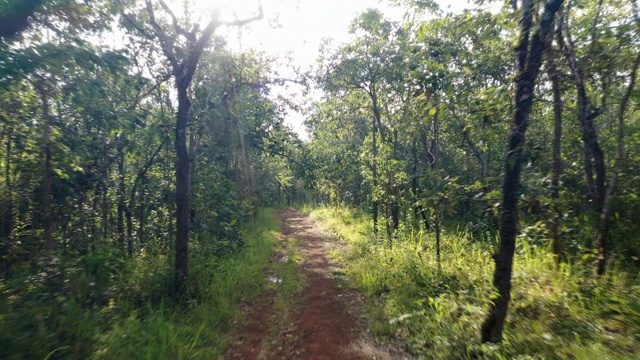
[(323, 326)]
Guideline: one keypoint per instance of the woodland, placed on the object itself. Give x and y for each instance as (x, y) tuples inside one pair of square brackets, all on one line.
[(481, 168)]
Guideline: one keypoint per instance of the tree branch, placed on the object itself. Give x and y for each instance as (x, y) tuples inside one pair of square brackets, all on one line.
[(191, 36), (165, 44), (196, 52)]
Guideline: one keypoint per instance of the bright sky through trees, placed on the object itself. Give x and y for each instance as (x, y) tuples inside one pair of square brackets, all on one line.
[(295, 29)]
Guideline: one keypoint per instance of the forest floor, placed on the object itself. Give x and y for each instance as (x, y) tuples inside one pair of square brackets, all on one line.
[(309, 313)]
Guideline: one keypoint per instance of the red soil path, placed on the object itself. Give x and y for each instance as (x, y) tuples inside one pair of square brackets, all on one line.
[(324, 326)]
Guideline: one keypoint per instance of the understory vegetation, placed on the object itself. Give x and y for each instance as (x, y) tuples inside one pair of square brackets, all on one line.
[(436, 308), (125, 310)]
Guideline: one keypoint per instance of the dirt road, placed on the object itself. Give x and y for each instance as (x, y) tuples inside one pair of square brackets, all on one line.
[(323, 324)]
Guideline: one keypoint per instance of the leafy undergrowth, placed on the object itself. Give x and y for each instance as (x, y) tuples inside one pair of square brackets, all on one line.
[(139, 320), (564, 313)]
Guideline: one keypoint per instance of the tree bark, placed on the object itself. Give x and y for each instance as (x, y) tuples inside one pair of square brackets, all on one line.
[(556, 164), (602, 239), (418, 209), (434, 167), (593, 155), (130, 208), (183, 64), (47, 216), (121, 193), (529, 53), (374, 173), (7, 221), (182, 189)]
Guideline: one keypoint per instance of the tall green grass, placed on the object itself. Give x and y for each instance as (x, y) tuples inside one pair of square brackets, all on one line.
[(120, 310), (436, 310), (199, 330)]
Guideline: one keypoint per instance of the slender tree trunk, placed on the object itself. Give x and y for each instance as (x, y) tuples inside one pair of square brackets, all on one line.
[(182, 188), (104, 192), (476, 153), (395, 207), (7, 223), (593, 155), (192, 174), (529, 53), (602, 239), (141, 218), (82, 246), (121, 194), (434, 166), (556, 164), (417, 209), (436, 225), (375, 177), (130, 208), (92, 219), (47, 216), (129, 217), (105, 210)]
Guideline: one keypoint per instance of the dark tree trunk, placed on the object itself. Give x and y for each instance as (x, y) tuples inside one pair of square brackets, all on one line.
[(47, 216), (602, 239), (394, 205), (129, 217), (7, 217), (105, 211), (82, 243), (418, 210), (184, 62), (434, 167), (556, 164), (182, 188), (374, 172), (130, 208), (529, 53), (593, 155), (121, 193), (436, 225), (92, 220), (476, 153), (141, 218)]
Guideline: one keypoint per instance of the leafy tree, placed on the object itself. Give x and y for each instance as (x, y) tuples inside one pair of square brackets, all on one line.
[(183, 49)]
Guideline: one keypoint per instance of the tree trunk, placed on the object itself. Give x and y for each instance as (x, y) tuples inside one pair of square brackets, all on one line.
[(121, 193), (436, 225), (130, 208), (7, 217), (105, 211), (434, 167), (529, 53), (92, 219), (184, 62), (593, 155), (141, 218), (374, 172), (182, 188), (192, 175), (602, 239), (47, 216), (418, 210), (556, 164)]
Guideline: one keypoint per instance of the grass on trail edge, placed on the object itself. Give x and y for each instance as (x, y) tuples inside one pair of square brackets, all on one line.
[(565, 313), (201, 330)]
